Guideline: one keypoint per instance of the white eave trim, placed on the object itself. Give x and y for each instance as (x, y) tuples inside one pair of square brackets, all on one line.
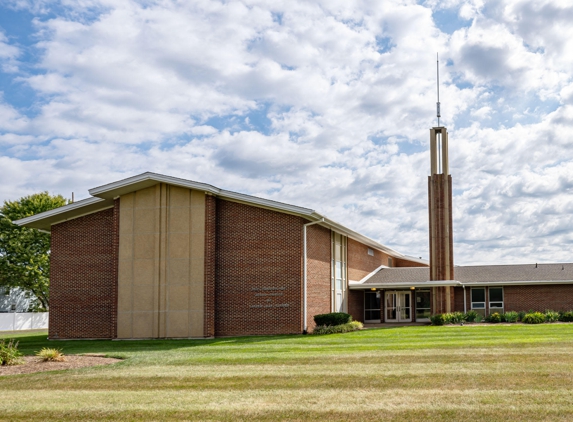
[(516, 283), (403, 285), (353, 285), (60, 210), (107, 190)]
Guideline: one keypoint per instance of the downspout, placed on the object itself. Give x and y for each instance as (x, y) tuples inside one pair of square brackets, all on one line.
[(304, 260), (465, 305)]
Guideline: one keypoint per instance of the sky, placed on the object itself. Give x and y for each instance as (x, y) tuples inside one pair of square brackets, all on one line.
[(322, 104)]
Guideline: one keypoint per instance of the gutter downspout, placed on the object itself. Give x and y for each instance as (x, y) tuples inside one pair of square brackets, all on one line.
[(465, 299), (305, 277)]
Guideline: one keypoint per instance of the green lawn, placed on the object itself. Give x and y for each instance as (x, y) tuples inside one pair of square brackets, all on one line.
[(474, 373)]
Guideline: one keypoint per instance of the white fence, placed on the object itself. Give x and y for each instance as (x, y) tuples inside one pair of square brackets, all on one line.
[(23, 321)]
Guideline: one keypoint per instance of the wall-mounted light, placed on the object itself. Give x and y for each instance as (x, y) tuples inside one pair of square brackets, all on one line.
[(412, 288), (373, 289)]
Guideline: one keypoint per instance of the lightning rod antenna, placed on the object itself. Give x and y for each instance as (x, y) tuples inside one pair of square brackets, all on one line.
[(438, 86)]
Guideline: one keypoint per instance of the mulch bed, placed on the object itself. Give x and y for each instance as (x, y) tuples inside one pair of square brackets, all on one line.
[(35, 364)]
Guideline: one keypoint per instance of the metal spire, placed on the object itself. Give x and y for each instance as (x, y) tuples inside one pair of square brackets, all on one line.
[(438, 86)]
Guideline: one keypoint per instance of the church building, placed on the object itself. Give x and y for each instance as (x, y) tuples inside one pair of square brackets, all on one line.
[(154, 256)]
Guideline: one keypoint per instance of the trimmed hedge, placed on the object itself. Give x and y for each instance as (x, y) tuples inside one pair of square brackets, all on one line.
[(334, 329), (333, 318)]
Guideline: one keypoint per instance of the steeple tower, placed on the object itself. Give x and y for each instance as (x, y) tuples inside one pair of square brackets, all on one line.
[(440, 207), (441, 233)]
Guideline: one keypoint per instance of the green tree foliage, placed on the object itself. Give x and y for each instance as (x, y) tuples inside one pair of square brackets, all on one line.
[(24, 252)]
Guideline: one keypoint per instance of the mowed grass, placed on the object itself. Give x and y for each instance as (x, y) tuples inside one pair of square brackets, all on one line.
[(473, 373)]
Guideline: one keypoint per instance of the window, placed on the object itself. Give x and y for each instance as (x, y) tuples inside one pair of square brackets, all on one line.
[(372, 306), (339, 283), (370, 252), (423, 310), (478, 300), (495, 300)]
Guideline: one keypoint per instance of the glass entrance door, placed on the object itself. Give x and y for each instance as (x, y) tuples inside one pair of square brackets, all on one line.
[(398, 307)]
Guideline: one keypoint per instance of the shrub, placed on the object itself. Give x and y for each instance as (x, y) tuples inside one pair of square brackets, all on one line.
[(333, 318), (521, 314), (566, 316), (51, 355), (494, 318), (457, 317), (342, 328), (511, 316), (438, 319), (9, 353), (533, 318), (471, 316), (551, 316)]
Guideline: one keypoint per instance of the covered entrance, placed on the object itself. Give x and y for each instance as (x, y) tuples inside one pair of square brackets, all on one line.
[(398, 306)]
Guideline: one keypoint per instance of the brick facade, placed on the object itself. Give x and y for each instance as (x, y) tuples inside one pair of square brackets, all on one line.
[(356, 304), (258, 286), (210, 265), (83, 291), (319, 293), (360, 264), (401, 262)]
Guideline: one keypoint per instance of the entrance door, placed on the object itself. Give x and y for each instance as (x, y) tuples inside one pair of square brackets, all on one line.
[(398, 307)]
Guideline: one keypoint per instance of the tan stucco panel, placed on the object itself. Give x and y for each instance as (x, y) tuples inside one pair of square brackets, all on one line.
[(161, 263)]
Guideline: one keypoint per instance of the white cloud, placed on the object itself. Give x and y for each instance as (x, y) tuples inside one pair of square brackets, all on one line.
[(326, 105)]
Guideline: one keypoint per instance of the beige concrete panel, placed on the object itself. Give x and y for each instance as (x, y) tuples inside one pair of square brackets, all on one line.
[(143, 298), (143, 324), (125, 219), (178, 271), (179, 197), (179, 219), (125, 246), (177, 324), (124, 296), (144, 220), (144, 272), (197, 273), (196, 297), (197, 212), (145, 198), (177, 297), (127, 201), (198, 245), (178, 245), (125, 272), (124, 325), (196, 323), (144, 246)]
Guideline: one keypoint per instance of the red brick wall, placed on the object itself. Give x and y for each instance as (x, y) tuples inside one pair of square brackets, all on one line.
[(557, 297), (356, 304), (210, 266), (258, 287), (401, 262), (83, 277), (459, 299), (318, 272), (360, 264)]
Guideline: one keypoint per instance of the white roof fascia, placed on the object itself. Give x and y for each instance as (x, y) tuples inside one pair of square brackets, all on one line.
[(359, 237), (74, 206), (404, 285), (110, 189), (516, 283), (369, 275)]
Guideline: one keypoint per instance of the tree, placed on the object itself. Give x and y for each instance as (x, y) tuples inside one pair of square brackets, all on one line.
[(25, 252)]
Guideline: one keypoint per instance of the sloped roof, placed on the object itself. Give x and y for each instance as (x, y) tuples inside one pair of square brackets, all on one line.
[(472, 276), (102, 197)]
